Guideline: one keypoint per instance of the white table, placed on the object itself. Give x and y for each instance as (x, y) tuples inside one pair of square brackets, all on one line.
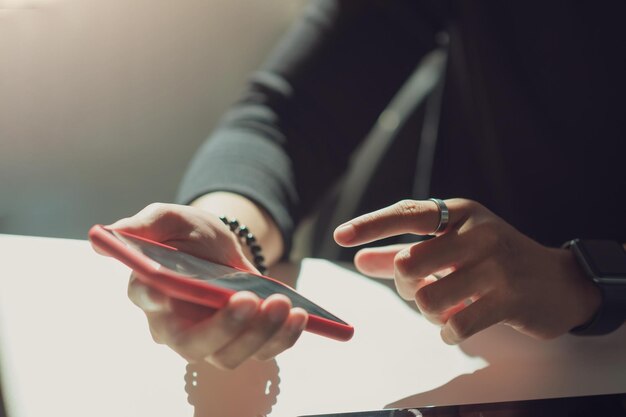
[(72, 344)]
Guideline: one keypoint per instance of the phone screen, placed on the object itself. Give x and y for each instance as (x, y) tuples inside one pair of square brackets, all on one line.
[(613, 405), (220, 275)]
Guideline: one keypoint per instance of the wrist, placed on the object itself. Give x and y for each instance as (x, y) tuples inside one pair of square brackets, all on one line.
[(249, 213), (587, 299), (604, 263), (247, 239)]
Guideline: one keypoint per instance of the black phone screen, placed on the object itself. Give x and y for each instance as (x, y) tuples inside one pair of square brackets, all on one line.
[(607, 405), (610, 405), (220, 275)]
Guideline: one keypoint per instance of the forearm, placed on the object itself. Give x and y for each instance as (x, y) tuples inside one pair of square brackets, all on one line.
[(247, 212), (308, 107)]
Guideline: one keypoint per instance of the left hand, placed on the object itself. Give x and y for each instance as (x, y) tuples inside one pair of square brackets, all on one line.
[(489, 272), (246, 327)]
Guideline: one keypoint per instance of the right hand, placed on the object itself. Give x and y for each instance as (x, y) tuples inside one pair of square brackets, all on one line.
[(247, 327)]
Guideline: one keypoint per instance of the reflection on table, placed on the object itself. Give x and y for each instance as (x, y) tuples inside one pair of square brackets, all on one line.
[(248, 391), (72, 344)]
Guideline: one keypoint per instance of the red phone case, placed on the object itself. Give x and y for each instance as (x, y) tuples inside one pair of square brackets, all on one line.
[(188, 289)]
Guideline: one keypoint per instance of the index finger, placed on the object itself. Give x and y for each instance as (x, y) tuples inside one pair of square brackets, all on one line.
[(407, 216)]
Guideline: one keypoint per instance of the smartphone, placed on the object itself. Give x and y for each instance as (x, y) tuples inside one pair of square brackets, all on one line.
[(199, 281)]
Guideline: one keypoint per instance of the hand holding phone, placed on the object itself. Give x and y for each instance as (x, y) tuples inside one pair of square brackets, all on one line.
[(179, 291)]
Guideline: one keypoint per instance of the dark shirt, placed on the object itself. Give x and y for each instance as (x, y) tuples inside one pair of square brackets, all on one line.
[(532, 122)]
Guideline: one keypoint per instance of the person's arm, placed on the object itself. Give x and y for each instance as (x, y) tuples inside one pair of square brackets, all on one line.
[(477, 272), (303, 113), (252, 215), (272, 157)]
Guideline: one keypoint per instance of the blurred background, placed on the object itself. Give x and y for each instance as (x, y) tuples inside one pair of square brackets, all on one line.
[(103, 102)]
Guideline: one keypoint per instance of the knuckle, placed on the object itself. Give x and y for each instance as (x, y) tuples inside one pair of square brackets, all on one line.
[(473, 206), (409, 208), (494, 238), (407, 262), (155, 208), (160, 212), (470, 205), (407, 265), (488, 235), (499, 241), (495, 276), (401, 263), (505, 246)]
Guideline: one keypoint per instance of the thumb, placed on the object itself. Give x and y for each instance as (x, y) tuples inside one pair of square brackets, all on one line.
[(158, 222), (221, 251), (378, 262)]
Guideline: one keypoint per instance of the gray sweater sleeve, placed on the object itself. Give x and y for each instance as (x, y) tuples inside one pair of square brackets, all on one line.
[(302, 114)]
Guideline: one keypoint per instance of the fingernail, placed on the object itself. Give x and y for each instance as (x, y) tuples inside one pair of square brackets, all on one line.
[(243, 312), (345, 232)]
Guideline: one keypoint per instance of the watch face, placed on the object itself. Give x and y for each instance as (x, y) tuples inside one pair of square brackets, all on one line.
[(606, 259)]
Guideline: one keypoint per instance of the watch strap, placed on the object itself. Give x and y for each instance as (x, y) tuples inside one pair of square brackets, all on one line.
[(612, 312)]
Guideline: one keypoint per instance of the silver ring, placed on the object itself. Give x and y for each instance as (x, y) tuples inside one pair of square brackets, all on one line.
[(444, 215)]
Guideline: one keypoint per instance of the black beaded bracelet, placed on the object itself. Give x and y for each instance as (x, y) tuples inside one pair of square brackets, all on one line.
[(246, 236)]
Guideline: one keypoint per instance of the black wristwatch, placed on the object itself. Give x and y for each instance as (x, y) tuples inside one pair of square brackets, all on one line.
[(604, 262)]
